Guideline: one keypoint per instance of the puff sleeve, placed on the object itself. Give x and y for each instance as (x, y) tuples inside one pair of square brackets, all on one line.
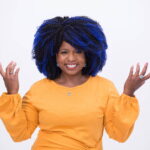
[(19, 115), (120, 114)]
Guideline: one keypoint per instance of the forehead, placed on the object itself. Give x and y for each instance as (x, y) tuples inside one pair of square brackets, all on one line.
[(66, 45)]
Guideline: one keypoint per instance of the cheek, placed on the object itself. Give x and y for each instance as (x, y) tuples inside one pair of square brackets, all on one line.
[(82, 59), (59, 59)]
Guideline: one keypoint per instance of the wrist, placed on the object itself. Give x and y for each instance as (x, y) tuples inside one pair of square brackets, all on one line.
[(129, 93), (12, 92)]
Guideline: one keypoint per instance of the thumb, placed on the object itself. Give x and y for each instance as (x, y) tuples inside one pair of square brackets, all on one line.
[(2, 71)]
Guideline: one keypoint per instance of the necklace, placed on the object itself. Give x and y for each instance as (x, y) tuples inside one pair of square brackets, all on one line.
[(69, 93)]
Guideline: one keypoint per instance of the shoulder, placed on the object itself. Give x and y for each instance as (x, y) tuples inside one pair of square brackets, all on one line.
[(102, 80), (104, 84), (40, 85)]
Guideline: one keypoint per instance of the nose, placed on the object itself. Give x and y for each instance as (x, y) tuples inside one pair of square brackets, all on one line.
[(71, 56)]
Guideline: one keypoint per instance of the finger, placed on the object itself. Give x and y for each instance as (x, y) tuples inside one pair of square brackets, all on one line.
[(131, 72), (8, 70), (147, 76), (12, 67), (144, 69), (17, 71), (1, 70), (137, 70)]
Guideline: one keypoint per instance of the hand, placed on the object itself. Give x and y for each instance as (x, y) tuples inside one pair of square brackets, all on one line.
[(10, 78), (134, 81)]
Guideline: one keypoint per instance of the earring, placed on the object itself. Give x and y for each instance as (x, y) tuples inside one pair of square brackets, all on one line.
[(57, 65), (85, 65)]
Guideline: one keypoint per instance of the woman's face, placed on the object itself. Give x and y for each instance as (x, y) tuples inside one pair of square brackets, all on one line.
[(70, 60)]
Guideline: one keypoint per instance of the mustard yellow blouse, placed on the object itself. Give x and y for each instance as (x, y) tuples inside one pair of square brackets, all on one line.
[(69, 118)]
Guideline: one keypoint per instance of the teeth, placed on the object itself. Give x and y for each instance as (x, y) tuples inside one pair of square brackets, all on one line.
[(71, 66)]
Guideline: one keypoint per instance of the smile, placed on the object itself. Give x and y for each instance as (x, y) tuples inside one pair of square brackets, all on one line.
[(71, 66)]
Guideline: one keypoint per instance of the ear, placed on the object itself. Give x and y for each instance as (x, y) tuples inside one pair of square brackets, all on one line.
[(56, 57)]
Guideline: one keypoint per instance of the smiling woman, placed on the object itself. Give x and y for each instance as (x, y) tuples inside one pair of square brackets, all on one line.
[(80, 33), (72, 105)]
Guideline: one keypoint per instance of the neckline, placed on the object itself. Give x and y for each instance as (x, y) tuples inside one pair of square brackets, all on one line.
[(70, 88)]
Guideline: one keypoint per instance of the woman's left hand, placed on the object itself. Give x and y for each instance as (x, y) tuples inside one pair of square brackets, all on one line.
[(136, 80)]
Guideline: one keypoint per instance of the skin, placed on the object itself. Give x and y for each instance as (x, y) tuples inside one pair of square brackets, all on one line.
[(68, 54)]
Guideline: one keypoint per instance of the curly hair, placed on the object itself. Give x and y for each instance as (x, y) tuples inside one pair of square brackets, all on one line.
[(81, 32)]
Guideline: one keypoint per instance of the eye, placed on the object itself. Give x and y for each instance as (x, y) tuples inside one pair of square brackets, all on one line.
[(63, 52)]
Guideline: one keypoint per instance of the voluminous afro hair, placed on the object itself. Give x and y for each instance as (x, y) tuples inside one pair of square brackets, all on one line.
[(81, 32)]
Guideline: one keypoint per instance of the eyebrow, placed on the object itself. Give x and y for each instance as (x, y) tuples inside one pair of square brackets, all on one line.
[(66, 49), (63, 49)]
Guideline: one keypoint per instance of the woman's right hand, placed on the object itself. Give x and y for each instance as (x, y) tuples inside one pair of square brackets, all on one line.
[(10, 78)]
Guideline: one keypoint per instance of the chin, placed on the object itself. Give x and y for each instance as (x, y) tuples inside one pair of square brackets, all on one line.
[(71, 73)]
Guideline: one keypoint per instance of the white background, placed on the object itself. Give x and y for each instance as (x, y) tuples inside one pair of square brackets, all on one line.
[(126, 24)]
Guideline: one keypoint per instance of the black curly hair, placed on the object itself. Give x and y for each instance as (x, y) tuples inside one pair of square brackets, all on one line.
[(81, 32)]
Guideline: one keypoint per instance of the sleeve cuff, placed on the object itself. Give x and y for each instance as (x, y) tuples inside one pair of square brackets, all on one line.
[(130, 98), (6, 94)]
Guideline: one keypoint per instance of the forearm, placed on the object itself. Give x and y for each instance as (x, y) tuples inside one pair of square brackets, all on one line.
[(16, 118), (121, 117), (19, 128)]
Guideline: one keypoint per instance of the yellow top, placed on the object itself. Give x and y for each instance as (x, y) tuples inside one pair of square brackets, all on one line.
[(69, 118)]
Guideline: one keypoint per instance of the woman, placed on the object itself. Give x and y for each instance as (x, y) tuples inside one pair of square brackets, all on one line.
[(72, 105)]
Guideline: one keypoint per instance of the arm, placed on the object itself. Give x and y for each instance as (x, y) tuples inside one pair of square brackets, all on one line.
[(19, 115), (122, 111), (120, 115)]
